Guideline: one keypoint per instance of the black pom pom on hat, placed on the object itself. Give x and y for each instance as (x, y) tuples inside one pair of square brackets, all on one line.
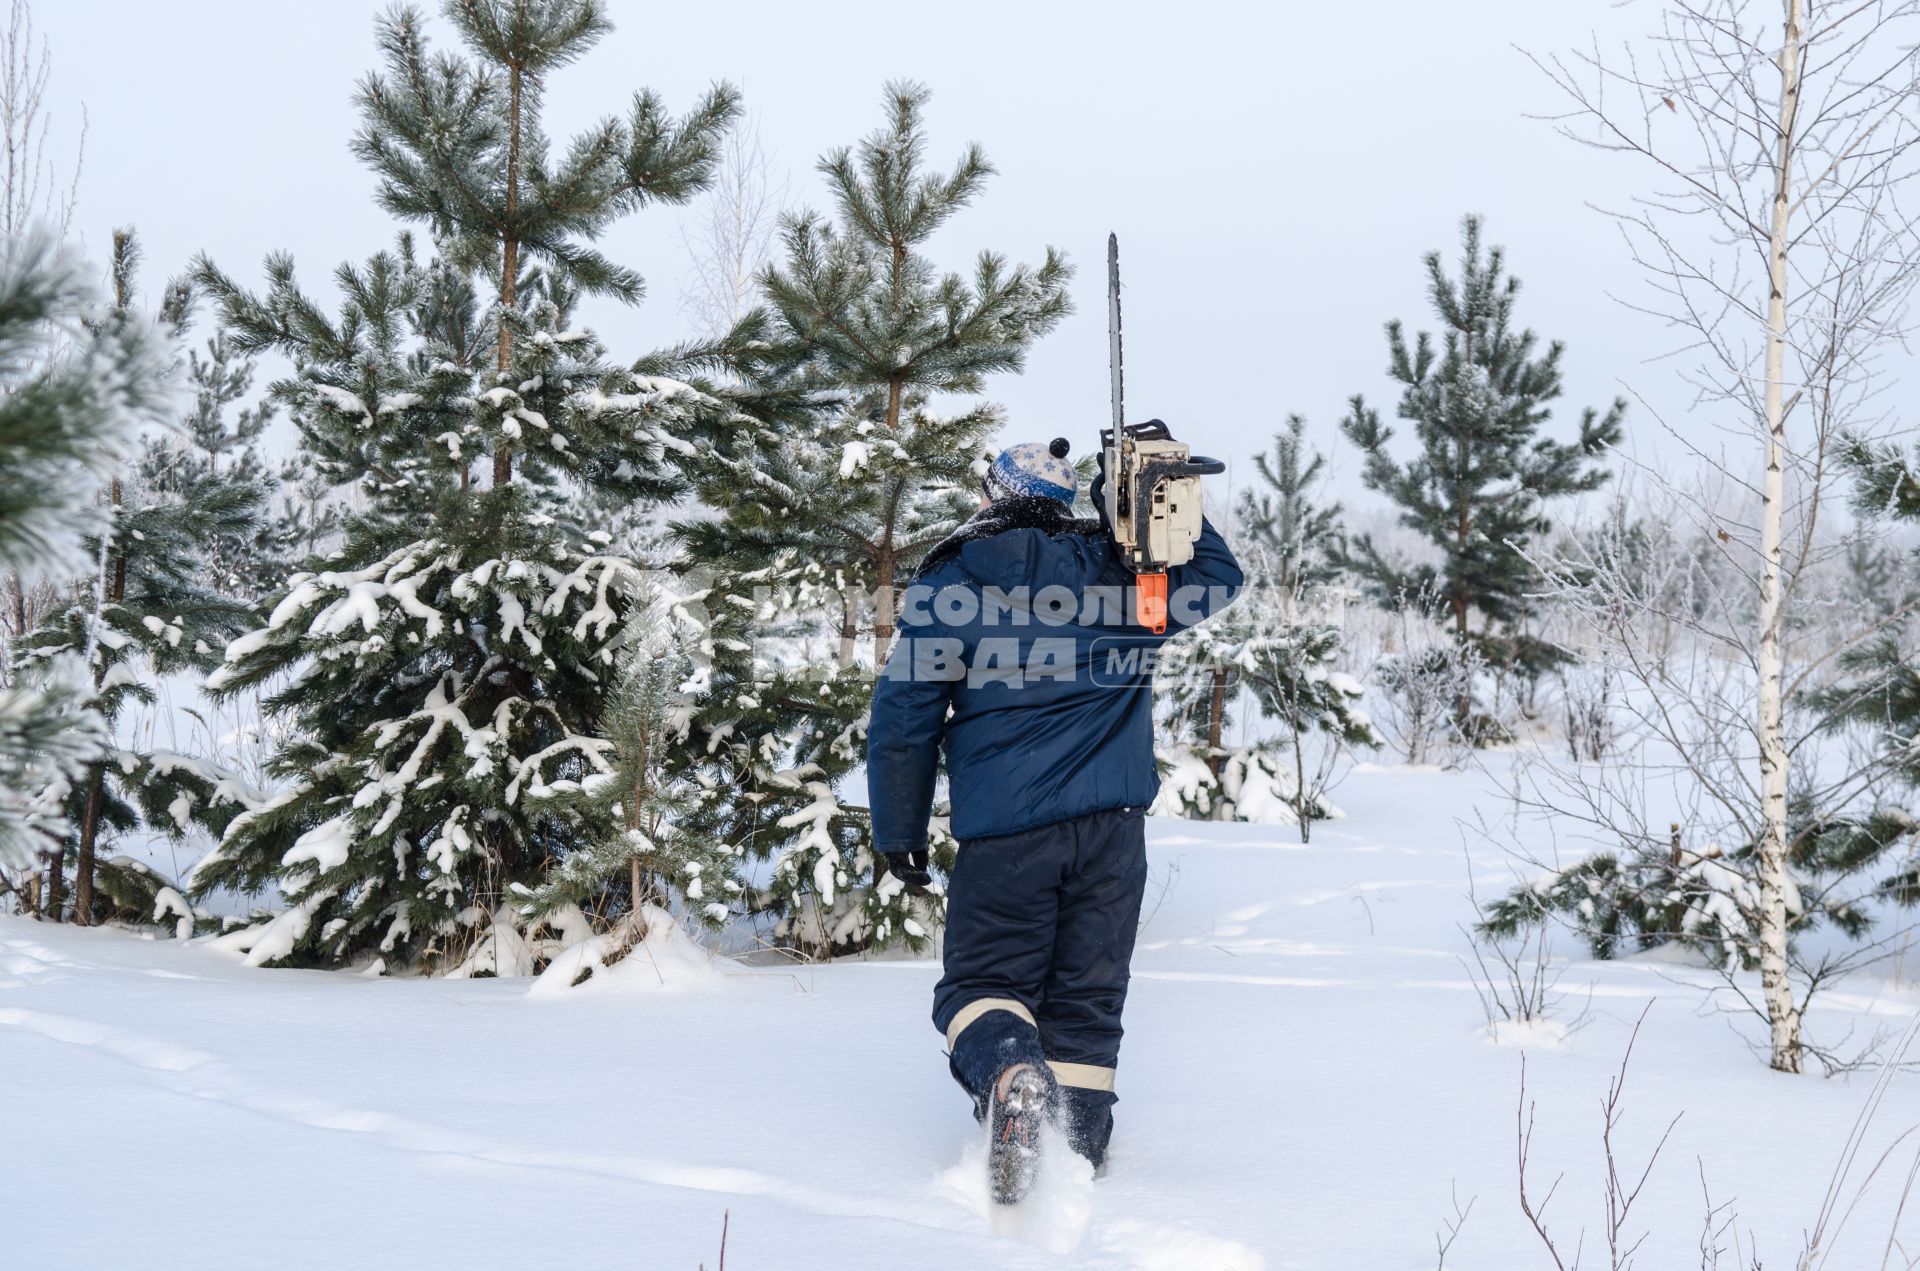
[(1058, 449)]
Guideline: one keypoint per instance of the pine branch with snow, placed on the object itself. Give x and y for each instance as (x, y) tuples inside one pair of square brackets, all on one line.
[(662, 855), (77, 383), (447, 703), (779, 726), (148, 609), (859, 309)]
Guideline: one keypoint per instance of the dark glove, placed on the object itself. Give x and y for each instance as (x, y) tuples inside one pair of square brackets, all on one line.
[(1098, 490), (911, 869)]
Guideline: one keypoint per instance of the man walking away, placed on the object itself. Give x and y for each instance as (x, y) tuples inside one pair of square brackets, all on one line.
[(1019, 655)]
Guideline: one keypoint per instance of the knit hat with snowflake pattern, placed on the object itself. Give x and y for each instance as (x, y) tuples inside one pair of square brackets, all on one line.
[(1032, 469)]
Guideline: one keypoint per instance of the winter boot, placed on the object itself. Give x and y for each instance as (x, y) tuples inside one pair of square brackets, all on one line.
[(1086, 1117), (1022, 1102)]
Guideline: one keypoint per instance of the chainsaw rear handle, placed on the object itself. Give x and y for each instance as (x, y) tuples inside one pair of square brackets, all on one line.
[(1150, 601), (1157, 430)]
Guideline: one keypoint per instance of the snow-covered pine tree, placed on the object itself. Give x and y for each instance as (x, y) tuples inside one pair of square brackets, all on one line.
[(218, 438), (459, 144), (1290, 539), (73, 390), (1479, 486), (1291, 663), (1878, 693), (1292, 670), (781, 727), (839, 503), (858, 308), (145, 611), (445, 668), (1280, 645), (663, 852), (1294, 534), (1650, 894)]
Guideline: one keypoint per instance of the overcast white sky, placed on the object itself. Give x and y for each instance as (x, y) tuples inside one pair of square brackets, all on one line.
[(1274, 170)]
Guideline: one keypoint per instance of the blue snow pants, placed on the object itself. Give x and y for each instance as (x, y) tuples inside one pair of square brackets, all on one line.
[(1040, 928)]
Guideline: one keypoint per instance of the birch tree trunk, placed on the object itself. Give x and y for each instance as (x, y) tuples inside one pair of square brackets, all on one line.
[(1808, 177), (1783, 1016)]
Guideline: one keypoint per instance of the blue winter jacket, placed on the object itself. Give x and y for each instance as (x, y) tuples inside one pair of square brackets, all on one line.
[(1019, 656)]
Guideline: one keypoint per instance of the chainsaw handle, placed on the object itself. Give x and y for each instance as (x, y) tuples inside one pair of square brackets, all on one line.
[(1172, 470), (1157, 430), (1152, 430)]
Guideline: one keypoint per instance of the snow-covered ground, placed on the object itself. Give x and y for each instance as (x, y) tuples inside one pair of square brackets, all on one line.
[(1307, 1083)]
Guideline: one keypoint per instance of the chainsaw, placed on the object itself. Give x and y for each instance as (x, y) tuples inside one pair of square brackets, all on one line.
[(1152, 493)]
